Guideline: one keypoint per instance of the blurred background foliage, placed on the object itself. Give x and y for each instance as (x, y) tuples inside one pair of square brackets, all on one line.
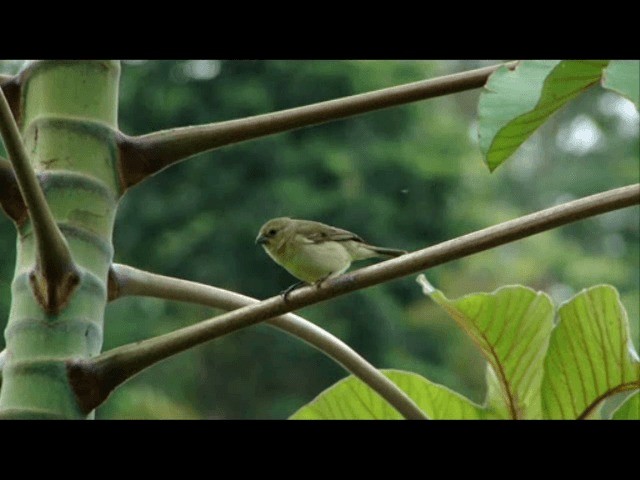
[(406, 177)]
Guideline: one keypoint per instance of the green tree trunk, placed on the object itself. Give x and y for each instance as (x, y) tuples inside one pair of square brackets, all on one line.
[(67, 114)]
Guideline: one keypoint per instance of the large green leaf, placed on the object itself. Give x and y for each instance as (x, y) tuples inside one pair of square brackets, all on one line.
[(512, 327), (516, 102), (623, 76), (590, 356), (630, 409), (351, 399)]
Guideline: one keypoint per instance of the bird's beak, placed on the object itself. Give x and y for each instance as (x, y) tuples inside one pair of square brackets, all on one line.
[(261, 240)]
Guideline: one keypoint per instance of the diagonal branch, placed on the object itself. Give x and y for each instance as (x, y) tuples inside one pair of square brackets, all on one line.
[(145, 155), (10, 197), (125, 280), (55, 275), (10, 85), (93, 379)]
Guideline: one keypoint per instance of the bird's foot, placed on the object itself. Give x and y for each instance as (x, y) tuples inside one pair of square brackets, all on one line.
[(318, 284), (290, 289)]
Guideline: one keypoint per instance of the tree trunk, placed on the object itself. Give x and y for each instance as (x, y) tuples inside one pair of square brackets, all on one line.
[(67, 115)]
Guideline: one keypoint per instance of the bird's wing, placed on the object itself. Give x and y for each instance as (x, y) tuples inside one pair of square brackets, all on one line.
[(320, 232)]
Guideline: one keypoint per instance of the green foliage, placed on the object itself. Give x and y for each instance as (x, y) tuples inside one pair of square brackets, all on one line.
[(143, 402), (406, 177), (534, 369), (623, 76), (630, 409), (590, 355), (199, 219), (511, 326), (350, 399), (516, 102)]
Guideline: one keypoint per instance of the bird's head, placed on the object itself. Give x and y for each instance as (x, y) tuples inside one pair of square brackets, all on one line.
[(273, 231)]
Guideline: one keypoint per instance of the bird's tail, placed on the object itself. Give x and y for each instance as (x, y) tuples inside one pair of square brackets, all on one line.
[(387, 252)]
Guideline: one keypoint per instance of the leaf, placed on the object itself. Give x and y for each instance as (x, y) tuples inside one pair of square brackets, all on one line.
[(630, 409), (512, 327), (516, 102), (623, 77), (590, 357), (496, 407), (351, 399)]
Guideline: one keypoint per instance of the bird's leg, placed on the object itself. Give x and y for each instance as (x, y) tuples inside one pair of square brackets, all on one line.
[(290, 289), (297, 285), (318, 283)]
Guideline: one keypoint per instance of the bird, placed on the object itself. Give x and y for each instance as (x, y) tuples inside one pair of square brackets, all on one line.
[(313, 251)]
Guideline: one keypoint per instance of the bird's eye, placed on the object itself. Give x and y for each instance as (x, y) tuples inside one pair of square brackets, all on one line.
[(271, 232)]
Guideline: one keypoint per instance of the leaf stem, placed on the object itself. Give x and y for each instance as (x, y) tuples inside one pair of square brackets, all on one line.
[(126, 280), (145, 155), (103, 373), (55, 275), (10, 197), (591, 408)]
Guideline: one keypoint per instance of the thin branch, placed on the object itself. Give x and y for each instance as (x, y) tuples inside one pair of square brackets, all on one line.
[(145, 155), (95, 378), (10, 197), (55, 276), (10, 85), (126, 280)]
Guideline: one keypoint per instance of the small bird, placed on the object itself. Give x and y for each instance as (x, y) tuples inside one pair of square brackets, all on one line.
[(312, 251)]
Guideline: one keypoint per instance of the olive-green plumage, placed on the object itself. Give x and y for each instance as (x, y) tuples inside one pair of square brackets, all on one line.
[(312, 251)]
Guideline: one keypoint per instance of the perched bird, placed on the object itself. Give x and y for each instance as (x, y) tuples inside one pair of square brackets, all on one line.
[(312, 251)]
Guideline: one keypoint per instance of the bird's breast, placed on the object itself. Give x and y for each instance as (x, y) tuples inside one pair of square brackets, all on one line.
[(314, 261)]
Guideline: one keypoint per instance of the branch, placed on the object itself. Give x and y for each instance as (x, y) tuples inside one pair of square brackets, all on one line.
[(10, 85), (10, 198), (55, 275), (145, 155), (126, 280), (96, 377)]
